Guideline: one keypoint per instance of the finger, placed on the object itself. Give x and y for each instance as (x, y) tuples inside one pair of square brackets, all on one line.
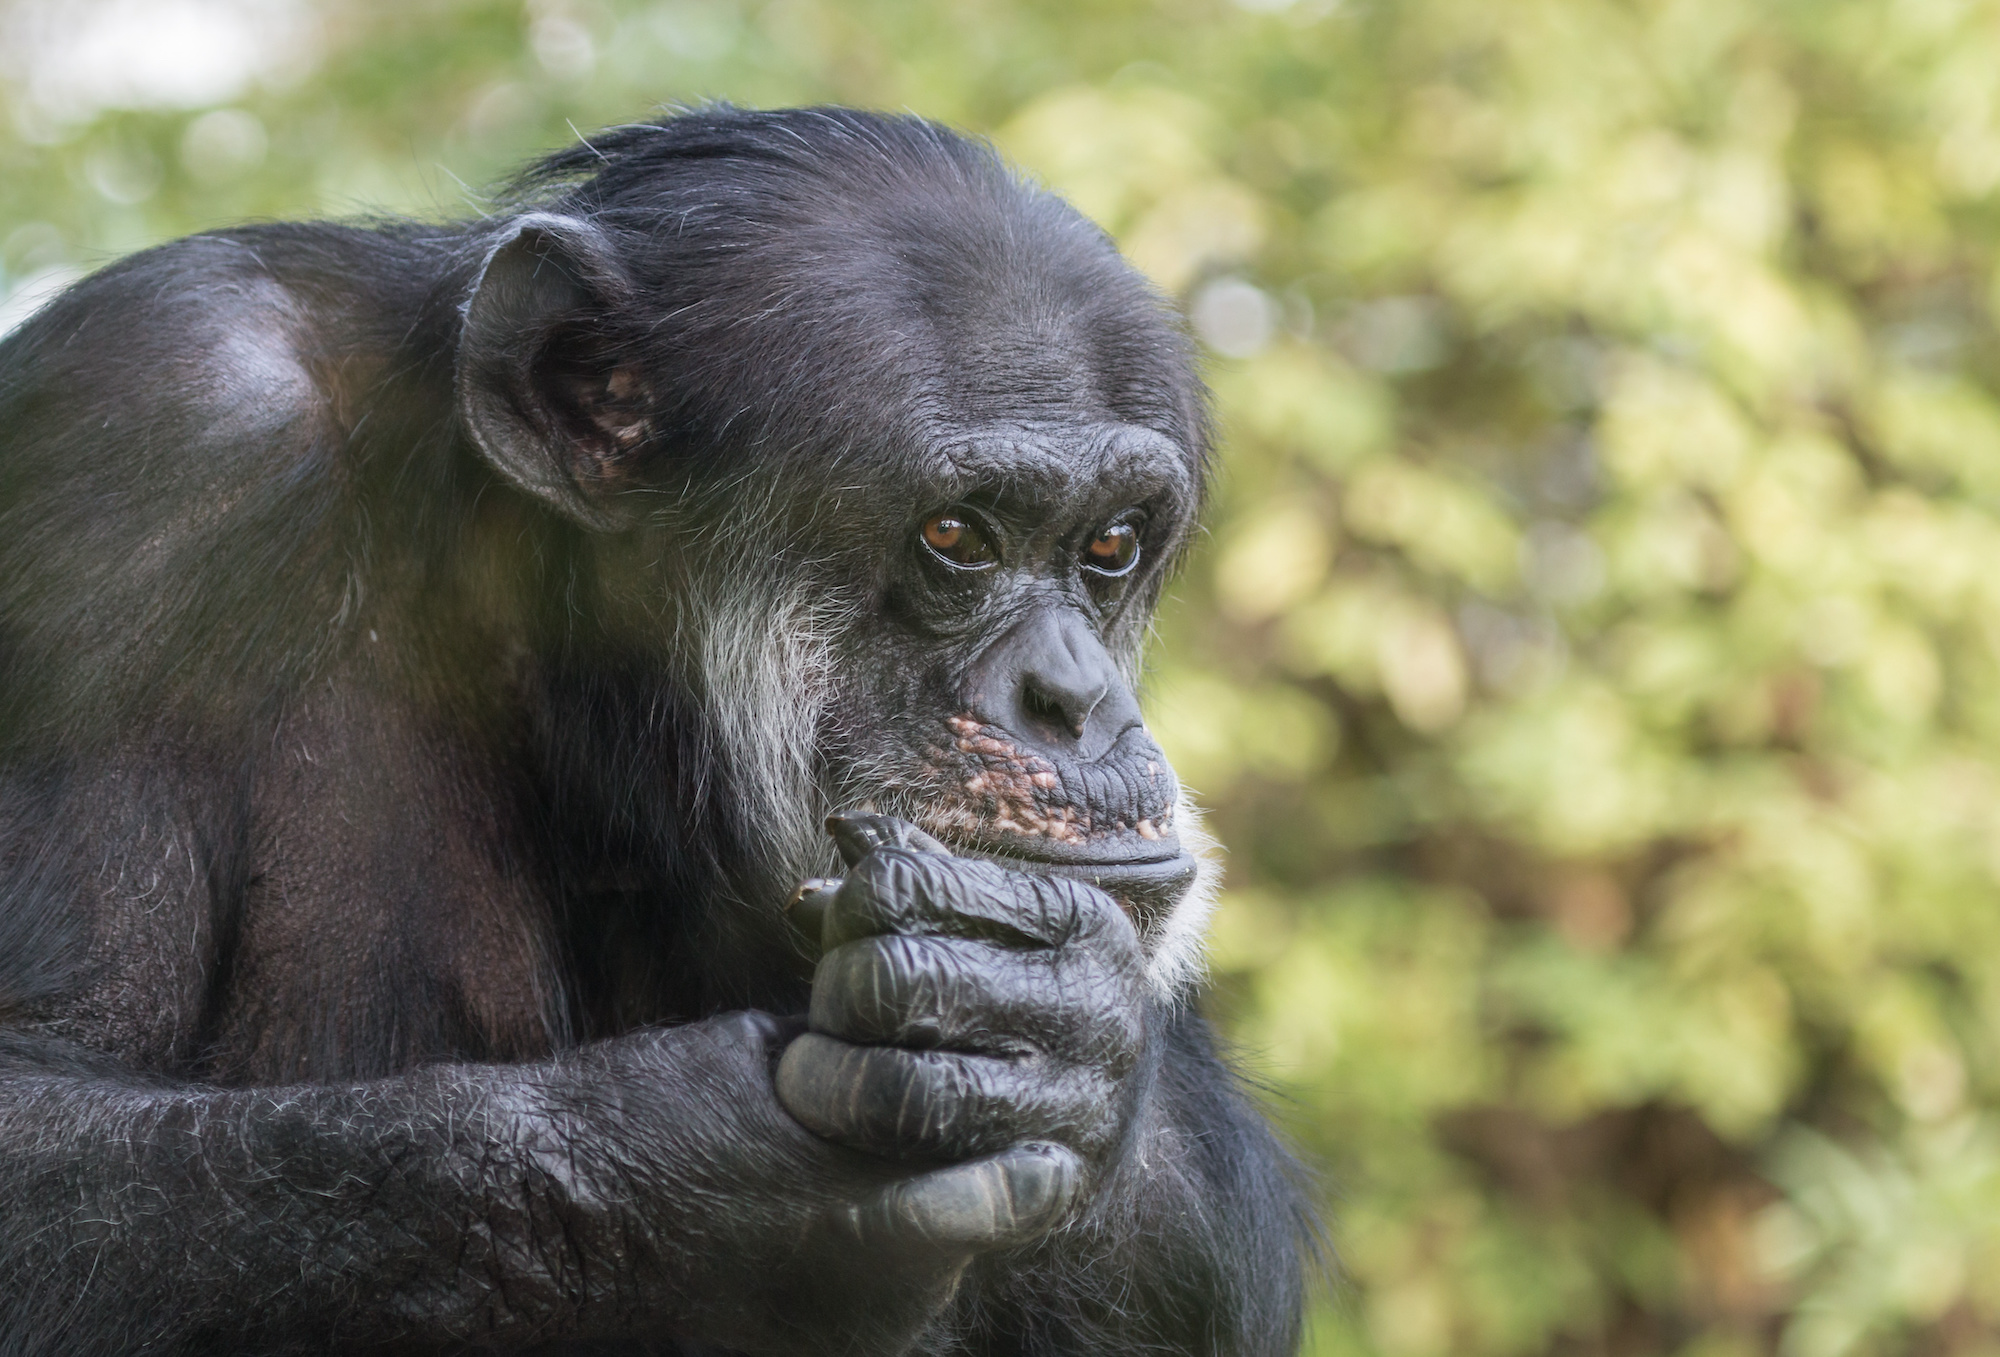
[(1007, 1199), (899, 891), (931, 992), (896, 1102), (858, 833)]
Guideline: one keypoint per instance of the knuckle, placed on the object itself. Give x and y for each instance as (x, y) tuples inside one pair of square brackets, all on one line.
[(889, 1095), (851, 967), (892, 882), (970, 996), (898, 870), (934, 1098), (943, 1103), (867, 881), (891, 986)]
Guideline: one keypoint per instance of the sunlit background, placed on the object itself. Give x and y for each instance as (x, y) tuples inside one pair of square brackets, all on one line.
[(1595, 668)]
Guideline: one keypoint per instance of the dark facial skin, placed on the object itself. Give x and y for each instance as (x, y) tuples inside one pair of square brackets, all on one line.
[(1005, 723), (429, 657)]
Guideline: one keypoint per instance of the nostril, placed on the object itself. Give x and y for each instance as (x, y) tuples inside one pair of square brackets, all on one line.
[(1040, 706)]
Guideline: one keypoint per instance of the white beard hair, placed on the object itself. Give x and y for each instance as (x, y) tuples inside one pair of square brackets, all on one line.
[(1177, 943), (763, 658)]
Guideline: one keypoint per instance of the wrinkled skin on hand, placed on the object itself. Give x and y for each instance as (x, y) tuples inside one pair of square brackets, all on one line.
[(985, 1020), (764, 1218)]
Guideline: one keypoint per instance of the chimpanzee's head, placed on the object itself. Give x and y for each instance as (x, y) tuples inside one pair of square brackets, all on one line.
[(890, 451)]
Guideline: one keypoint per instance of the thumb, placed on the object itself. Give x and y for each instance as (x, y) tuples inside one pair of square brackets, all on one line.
[(996, 1202)]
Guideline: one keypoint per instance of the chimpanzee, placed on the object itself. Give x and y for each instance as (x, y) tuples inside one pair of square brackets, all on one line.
[(429, 655)]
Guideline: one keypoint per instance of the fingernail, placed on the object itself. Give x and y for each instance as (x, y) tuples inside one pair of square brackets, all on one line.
[(856, 835), (809, 903)]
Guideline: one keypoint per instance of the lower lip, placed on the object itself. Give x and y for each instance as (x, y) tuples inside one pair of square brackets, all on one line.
[(1147, 890)]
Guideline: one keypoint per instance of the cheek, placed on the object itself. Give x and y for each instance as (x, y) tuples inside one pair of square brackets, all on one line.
[(879, 725)]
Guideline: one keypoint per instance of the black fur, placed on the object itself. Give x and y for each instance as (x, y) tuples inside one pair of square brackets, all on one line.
[(426, 653)]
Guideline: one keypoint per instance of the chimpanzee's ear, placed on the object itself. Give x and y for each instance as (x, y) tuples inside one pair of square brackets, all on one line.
[(541, 386)]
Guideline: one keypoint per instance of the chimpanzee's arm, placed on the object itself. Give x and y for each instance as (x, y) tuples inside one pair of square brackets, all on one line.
[(644, 1186), (1199, 1244)]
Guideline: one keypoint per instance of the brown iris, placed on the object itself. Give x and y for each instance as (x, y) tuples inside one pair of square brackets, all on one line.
[(1114, 550), (958, 540)]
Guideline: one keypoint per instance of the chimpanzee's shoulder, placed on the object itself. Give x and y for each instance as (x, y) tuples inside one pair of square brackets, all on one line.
[(177, 464), (173, 412), (173, 335), (212, 337)]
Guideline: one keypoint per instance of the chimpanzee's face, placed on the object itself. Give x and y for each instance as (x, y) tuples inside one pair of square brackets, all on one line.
[(959, 420), (989, 699)]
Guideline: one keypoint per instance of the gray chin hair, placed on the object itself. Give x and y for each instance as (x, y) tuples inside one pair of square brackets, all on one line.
[(762, 661), (1177, 942)]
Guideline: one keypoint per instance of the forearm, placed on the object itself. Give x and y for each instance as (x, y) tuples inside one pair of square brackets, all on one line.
[(643, 1187), (410, 1207)]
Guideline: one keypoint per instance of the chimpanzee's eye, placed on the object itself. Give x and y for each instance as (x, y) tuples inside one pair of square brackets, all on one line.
[(958, 540), (1114, 550)]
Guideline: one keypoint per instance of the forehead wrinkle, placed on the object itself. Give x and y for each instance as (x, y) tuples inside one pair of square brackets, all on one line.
[(1041, 465)]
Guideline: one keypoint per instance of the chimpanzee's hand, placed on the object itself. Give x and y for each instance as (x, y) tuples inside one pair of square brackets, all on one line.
[(715, 1215), (965, 1012), (967, 1074)]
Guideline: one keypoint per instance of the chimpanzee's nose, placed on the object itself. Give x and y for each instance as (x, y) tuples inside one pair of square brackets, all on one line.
[(1048, 679)]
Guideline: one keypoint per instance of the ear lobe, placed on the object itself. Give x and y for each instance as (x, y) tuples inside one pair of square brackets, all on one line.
[(540, 387)]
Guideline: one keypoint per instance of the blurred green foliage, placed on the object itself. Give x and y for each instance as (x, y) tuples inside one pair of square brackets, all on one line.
[(1596, 667)]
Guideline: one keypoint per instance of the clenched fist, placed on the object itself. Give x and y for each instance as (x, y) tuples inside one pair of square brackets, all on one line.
[(965, 1015)]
